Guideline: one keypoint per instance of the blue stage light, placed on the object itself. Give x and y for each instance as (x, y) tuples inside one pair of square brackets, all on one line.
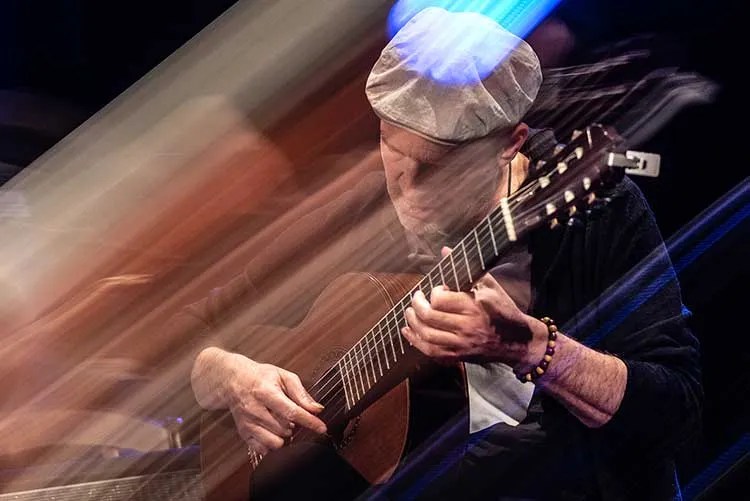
[(442, 58), (517, 16)]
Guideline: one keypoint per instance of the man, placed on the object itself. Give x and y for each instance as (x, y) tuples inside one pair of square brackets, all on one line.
[(451, 90)]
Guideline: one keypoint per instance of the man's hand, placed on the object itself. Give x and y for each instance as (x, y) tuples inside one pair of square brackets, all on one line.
[(485, 325), (266, 402)]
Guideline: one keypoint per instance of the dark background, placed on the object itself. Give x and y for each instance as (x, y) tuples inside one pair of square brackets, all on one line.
[(75, 56)]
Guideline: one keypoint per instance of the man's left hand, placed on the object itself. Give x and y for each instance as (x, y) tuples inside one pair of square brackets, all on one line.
[(482, 326)]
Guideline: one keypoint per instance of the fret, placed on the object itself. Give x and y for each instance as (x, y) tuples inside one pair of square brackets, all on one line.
[(442, 275), (466, 260), (429, 279), (479, 249), (347, 390), (492, 234), (455, 275)]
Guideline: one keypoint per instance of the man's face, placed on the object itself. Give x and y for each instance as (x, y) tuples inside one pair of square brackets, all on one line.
[(439, 190)]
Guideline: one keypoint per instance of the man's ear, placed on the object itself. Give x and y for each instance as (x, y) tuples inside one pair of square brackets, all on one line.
[(516, 139)]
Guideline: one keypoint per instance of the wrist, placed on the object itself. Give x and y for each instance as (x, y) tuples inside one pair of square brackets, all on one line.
[(535, 347), (541, 349), (223, 369), (235, 382)]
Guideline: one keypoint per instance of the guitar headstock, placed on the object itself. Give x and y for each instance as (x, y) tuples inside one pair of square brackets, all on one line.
[(567, 182)]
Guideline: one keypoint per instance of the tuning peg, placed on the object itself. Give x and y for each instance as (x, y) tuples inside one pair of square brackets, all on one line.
[(572, 211), (554, 223), (590, 198), (575, 134)]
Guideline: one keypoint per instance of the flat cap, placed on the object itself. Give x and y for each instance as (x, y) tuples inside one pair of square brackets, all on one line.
[(452, 77)]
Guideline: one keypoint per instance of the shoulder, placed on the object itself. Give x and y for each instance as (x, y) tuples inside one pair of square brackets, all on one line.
[(627, 204)]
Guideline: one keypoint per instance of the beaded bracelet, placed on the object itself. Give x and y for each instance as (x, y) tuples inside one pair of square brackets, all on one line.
[(544, 363)]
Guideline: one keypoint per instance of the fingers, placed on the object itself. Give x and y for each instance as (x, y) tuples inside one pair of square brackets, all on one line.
[(288, 410), (436, 352), (447, 301), (430, 333), (294, 388), (433, 317), (269, 404), (278, 425), (258, 438)]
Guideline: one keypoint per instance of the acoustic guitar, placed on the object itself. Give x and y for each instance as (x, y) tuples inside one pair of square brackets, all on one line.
[(349, 352)]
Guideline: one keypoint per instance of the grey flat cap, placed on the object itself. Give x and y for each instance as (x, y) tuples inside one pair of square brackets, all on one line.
[(453, 77)]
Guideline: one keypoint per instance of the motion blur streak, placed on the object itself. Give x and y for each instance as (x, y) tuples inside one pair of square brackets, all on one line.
[(176, 188)]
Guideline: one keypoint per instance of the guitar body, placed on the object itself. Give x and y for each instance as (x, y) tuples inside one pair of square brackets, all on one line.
[(374, 439)]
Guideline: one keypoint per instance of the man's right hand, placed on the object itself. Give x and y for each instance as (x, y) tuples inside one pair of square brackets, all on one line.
[(266, 402)]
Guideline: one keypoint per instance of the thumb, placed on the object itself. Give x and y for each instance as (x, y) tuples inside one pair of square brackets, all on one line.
[(445, 251)]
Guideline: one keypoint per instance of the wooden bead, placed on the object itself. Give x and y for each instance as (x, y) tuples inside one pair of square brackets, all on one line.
[(544, 363)]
